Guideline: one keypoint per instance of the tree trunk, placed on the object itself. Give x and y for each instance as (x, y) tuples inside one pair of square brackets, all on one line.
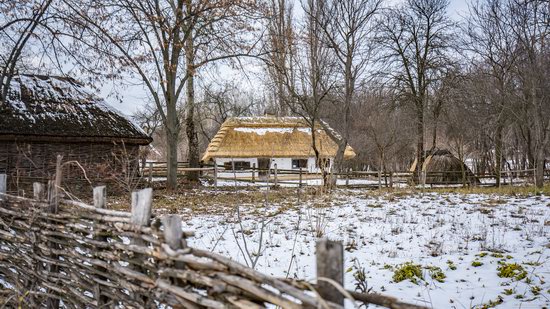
[(172, 158), (498, 154), (192, 137), (419, 141)]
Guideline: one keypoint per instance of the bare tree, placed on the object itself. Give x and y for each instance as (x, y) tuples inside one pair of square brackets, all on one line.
[(307, 78), (530, 22), (17, 26), (280, 40), (489, 38), (346, 27), (415, 38), (165, 43)]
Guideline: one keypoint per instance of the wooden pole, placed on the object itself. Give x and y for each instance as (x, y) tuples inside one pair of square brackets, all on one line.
[(275, 180), (347, 177), (150, 172), (141, 207), (53, 201), (3, 185), (391, 179), (100, 201), (39, 191), (215, 174), (330, 265), (253, 172), (423, 180), (142, 201), (300, 183), (379, 179), (172, 232)]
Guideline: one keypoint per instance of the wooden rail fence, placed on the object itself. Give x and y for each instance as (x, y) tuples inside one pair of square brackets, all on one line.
[(62, 253)]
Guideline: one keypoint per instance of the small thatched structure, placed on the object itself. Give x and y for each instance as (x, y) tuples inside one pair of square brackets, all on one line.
[(442, 167), (286, 141), (44, 116)]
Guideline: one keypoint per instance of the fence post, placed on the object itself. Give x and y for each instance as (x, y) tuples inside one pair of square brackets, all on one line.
[(379, 179), (3, 185), (141, 216), (150, 172), (53, 201), (330, 265), (215, 174), (100, 201), (300, 183), (347, 177), (275, 180), (38, 191), (391, 179), (253, 172), (423, 179)]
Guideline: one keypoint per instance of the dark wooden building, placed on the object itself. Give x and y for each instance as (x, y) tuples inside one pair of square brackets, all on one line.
[(46, 116)]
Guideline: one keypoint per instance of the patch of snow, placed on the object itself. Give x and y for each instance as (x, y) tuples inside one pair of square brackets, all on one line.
[(381, 232)]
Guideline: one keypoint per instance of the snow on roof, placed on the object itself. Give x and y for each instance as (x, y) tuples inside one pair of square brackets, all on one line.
[(48, 106)]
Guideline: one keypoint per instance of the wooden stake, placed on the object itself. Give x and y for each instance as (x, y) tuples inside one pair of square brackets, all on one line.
[(300, 183), (275, 179), (53, 200), (150, 172), (3, 185), (100, 201), (330, 265), (215, 174), (253, 172), (172, 232), (39, 191), (142, 201), (347, 177), (141, 206)]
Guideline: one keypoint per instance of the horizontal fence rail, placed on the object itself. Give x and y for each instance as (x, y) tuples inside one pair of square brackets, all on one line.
[(299, 176)]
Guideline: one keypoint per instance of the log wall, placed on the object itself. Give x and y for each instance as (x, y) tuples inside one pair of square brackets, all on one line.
[(25, 163)]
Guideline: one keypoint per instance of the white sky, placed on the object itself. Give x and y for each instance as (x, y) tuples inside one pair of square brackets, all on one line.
[(132, 97)]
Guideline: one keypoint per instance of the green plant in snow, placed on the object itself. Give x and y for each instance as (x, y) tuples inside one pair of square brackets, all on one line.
[(436, 273), (476, 263), (535, 290), (451, 265), (408, 270), (511, 270), (508, 291)]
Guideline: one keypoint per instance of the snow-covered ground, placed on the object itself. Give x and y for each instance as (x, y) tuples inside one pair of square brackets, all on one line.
[(450, 231)]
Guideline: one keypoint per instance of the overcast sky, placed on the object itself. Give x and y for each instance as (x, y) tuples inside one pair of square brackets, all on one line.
[(130, 98)]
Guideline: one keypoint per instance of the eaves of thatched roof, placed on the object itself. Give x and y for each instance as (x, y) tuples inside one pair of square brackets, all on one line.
[(59, 109), (270, 137)]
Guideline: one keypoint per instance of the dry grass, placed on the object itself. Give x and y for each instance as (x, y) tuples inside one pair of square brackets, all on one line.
[(219, 202)]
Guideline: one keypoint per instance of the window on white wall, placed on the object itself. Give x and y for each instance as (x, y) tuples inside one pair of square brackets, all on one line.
[(299, 163), (238, 165)]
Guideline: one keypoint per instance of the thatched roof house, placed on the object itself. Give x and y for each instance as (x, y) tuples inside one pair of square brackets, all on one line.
[(286, 141), (44, 116), (442, 167)]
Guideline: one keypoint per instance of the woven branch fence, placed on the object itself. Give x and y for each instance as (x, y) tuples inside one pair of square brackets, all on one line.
[(62, 253)]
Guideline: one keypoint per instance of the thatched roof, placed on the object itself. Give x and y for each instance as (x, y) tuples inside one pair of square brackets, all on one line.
[(50, 109), (269, 137), (442, 167)]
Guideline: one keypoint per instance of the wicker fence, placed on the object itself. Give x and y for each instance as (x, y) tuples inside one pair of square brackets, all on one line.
[(62, 253)]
